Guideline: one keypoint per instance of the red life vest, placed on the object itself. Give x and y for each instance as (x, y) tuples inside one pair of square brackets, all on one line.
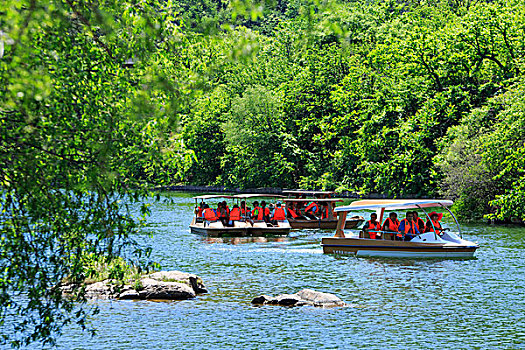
[(324, 213), (311, 208), (263, 212), (409, 226), (373, 227), (437, 225), (292, 213), (391, 225), (199, 212), (235, 214), (278, 214), (420, 224), (209, 214)]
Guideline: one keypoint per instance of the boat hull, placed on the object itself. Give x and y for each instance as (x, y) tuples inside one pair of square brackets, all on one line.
[(241, 229), (363, 247)]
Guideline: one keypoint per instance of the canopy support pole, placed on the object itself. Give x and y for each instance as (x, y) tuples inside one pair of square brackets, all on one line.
[(430, 219), (456, 220), (339, 231)]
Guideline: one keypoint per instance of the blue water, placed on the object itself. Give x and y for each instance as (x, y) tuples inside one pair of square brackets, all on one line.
[(393, 304)]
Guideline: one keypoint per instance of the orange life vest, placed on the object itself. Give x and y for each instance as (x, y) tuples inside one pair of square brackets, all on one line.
[(209, 214), (420, 224), (437, 225), (278, 214), (263, 212), (235, 214), (311, 207), (373, 227), (409, 226), (325, 212), (292, 213), (391, 225)]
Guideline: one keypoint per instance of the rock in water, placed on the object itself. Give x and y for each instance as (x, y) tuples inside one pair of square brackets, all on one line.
[(320, 298), (261, 299), (306, 297), (154, 289), (176, 276), (285, 300)]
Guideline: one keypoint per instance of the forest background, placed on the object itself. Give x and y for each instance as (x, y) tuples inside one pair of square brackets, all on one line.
[(412, 98), (101, 101)]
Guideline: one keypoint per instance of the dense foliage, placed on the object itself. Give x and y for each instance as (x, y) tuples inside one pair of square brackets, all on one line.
[(374, 97), (80, 136)]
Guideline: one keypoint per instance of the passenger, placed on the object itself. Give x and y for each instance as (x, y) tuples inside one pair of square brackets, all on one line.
[(419, 222), (392, 224), (209, 214), (311, 210), (279, 213), (244, 209), (235, 214), (257, 211), (222, 213), (199, 210), (264, 214), (291, 211), (435, 217), (225, 206), (373, 227), (408, 227)]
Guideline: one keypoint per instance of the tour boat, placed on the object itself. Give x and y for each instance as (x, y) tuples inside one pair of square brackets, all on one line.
[(424, 245), (241, 228), (304, 221)]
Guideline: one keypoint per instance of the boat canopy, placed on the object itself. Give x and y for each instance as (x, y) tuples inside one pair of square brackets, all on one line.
[(306, 192), (209, 196), (252, 195), (313, 200), (394, 204)]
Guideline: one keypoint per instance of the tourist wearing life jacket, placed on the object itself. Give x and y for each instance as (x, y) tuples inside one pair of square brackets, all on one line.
[(264, 213), (199, 210), (419, 222), (257, 211), (311, 210), (408, 227), (373, 227), (209, 214), (437, 228), (279, 214), (392, 224), (235, 214)]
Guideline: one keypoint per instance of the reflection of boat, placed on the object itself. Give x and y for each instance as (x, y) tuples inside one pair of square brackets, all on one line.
[(322, 198), (240, 228), (425, 245)]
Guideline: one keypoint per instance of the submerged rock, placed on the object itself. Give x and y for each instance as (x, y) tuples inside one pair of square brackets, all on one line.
[(164, 285), (305, 297)]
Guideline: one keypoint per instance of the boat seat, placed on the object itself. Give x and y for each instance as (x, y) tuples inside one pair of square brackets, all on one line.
[(259, 224), (239, 224), (216, 224)]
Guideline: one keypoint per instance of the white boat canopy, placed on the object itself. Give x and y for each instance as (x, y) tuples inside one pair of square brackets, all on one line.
[(252, 195), (394, 204), (209, 196), (320, 200), (307, 192)]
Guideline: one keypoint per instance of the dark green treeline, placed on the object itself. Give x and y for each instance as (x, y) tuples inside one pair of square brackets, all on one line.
[(402, 98)]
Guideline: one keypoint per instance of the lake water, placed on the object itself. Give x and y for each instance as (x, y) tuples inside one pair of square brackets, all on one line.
[(394, 304)]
